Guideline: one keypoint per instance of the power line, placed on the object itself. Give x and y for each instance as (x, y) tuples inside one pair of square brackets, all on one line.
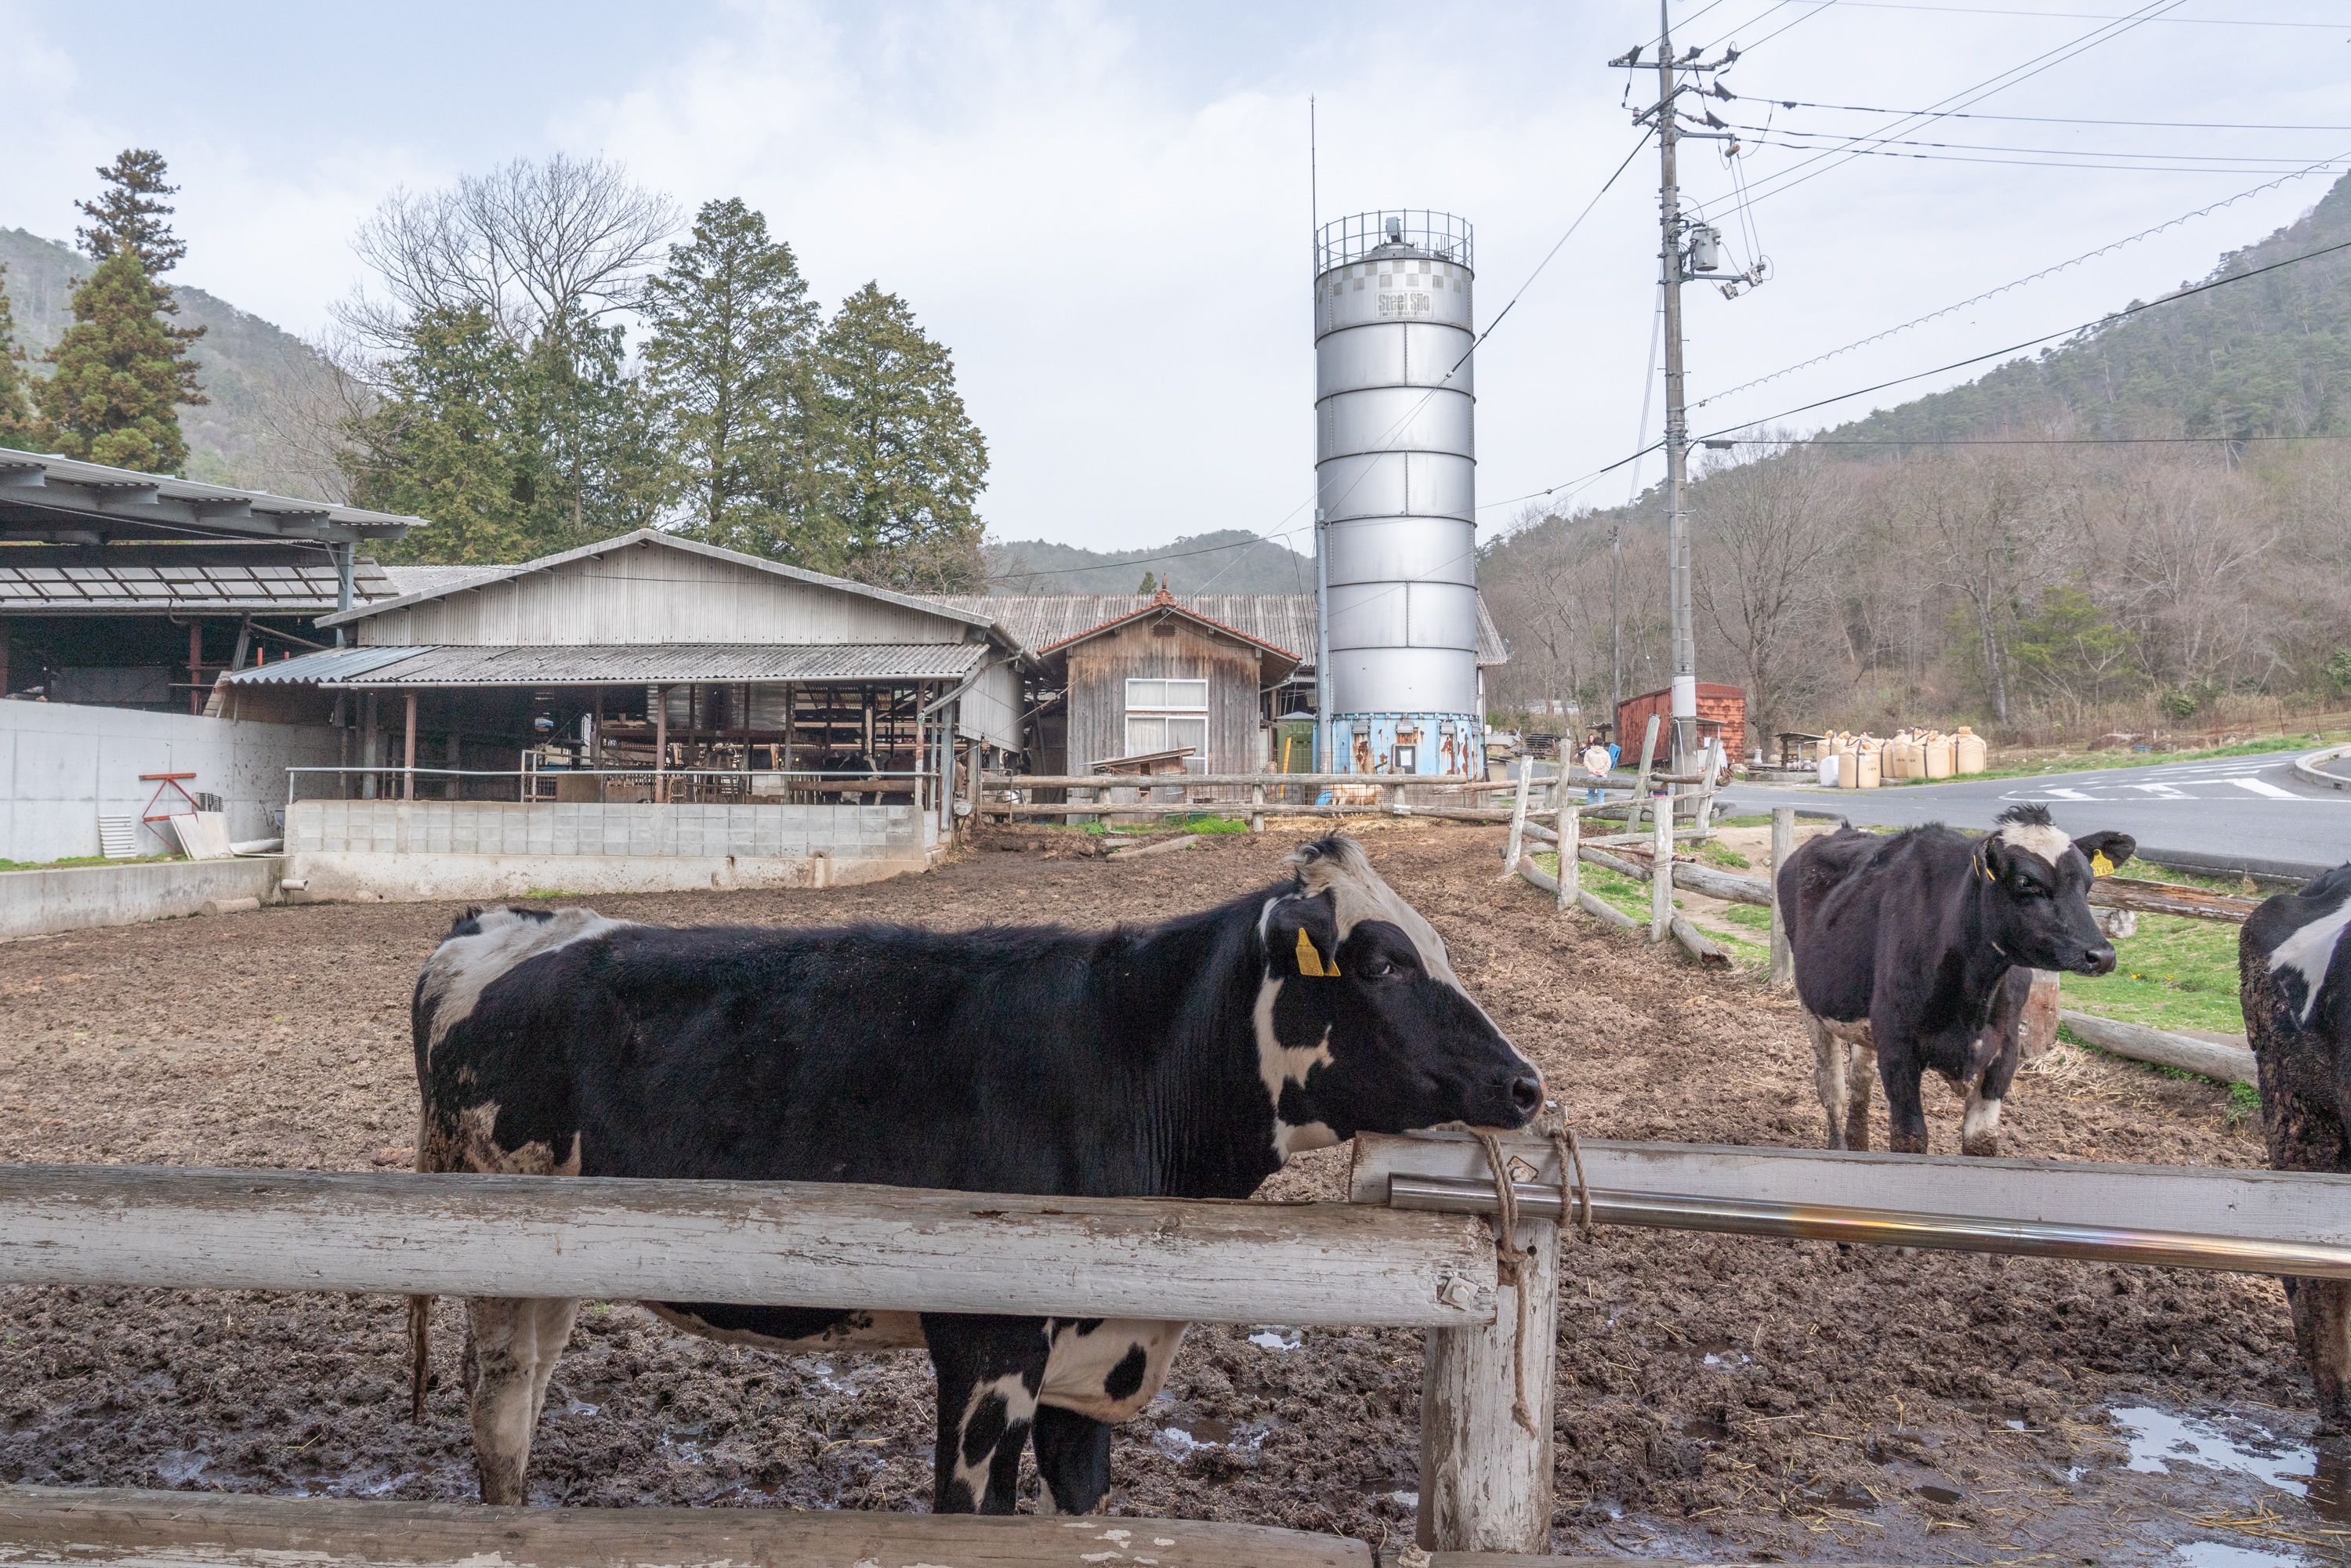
[(2038, 119), (2087, 16), (2020, 440), (2011, 147), (1731, 430), (2032, 162), (1789, 178), (2019, 282)]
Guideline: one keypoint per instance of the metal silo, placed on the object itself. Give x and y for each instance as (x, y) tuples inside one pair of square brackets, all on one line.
[(1396, 494)]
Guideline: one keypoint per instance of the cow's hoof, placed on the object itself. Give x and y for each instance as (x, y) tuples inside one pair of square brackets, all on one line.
[(1985, 1148), (1902, 1143)]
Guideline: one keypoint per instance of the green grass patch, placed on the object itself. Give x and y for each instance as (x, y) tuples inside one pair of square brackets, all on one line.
[(2089, 761), (1724, 856), (2177, 973), (1177, 822), (81, 860), (1745, 819), (1748, 917), (549, 895)]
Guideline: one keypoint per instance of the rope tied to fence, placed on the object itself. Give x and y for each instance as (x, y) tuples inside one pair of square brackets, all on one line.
[(1509, 1262)]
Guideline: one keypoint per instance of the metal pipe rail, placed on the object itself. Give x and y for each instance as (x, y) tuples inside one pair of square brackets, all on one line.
[(1882, 1228), (2244, 1221)]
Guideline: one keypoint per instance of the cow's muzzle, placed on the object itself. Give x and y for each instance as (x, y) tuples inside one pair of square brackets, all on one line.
[(2098, 960)]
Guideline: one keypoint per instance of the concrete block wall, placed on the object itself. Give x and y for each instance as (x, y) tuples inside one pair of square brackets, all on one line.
[(64, 765), (611, 829), (70, 898)]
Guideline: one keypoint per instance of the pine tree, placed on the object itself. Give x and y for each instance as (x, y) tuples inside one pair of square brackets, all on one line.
[(120, 373), (132, 212), (18, 429), (728, 363), (903, 462)]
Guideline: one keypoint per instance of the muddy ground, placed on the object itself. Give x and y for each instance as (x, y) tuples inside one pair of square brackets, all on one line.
[(1717, 1397)]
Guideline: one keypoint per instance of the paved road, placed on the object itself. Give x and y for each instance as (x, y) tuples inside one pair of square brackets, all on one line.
[(2237, 813)]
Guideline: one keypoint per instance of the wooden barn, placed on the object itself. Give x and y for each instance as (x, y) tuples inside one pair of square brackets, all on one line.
[(1721, 715)]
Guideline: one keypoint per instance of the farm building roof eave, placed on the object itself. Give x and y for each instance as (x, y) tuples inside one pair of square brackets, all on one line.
[(674, 541), (43, 496), (654, 664), (1283, 619)]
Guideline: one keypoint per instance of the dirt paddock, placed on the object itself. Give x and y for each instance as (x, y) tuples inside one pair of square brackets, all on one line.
[(1717, 1397)]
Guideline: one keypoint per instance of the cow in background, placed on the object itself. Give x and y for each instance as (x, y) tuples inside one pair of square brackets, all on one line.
[(2294, 965), (2021, 1029), (1914, 937)]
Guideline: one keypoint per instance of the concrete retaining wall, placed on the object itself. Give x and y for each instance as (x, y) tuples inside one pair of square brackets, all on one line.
[(63, 765), (414, 850), (2329, 769), (36, 903)]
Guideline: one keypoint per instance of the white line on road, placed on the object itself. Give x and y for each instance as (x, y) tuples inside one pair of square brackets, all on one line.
[(2263, 787)]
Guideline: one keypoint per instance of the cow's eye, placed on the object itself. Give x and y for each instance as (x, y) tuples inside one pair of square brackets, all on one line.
[(1377, 969)]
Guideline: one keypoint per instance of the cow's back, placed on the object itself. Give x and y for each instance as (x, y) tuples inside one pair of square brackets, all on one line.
[(2294, 974), (1851, 898)]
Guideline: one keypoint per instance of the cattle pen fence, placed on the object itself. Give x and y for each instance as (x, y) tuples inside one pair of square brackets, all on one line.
[(1409, 1247)]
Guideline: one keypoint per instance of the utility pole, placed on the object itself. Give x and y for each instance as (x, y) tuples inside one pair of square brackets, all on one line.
[(1615, 622), (1682, 249), (1677, 559)]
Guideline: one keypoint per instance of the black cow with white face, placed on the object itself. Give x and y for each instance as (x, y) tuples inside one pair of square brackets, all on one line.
[(1185, 1059), (2294, 972), (1917, 936)]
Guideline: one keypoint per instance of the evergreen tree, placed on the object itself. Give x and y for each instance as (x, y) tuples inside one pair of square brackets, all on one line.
[(512, 451), (728, 365), (120, 373), (17, 428), (131, 213), (903, 463)]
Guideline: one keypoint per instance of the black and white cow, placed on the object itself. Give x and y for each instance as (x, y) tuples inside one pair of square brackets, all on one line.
[(1189, 1060), (2293, 964), (2020, 1030), (1916, 937)]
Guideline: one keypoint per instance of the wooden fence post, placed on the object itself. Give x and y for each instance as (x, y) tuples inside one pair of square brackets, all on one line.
[(1641, 784), (1661, 869), (1571, 834), (1710, 762), (1783, 844), (1485, 1480), (1518, 821), (1256, 800)]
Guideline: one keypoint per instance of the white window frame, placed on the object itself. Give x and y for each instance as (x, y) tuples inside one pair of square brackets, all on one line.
[(1160, 700)]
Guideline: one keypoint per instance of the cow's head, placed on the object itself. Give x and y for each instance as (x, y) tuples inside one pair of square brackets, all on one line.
[(1362, 1025), (2036, 891)]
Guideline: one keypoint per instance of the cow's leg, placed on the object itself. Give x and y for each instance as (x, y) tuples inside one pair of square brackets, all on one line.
[(1859, 1076), (2306, 1136), (511, 1345), (1073, 1460), (1900, 1070), (1980, 1127), (1828, 1076), (990, 1370)]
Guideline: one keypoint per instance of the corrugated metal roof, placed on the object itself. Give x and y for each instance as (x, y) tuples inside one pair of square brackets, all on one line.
[(403, 580), (158, 588), (309, 669), (1284, 619), (65, 486), (650, 664)]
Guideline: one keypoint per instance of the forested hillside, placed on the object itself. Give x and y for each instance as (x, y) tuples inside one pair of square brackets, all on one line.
[(254, 374), (1226, 560), (2076, 585)]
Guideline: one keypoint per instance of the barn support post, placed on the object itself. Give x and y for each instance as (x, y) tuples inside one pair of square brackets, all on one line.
[(1485, 1480), (1661, 868), (407, 747), (595, 745), (370, 747), (1571, 860), (1783, 844), (661, 743), (1518, 820)]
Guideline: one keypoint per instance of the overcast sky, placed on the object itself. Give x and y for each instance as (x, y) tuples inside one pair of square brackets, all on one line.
[(1104, 210)]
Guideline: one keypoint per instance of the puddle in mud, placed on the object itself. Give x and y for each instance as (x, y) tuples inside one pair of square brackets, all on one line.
[(1276, 1337), (2226, 1554), (2158, 1439), (1181, 1433)]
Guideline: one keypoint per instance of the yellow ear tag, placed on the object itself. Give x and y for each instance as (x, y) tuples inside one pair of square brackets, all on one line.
[(2100, 865), (1310, 962)]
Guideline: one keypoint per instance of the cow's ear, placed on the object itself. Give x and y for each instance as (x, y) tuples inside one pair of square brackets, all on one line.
[(2105, 851), (1302, 937)]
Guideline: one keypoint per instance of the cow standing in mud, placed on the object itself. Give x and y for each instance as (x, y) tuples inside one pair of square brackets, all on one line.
[(2293, 963), (1189, 1059), (1913, 947)]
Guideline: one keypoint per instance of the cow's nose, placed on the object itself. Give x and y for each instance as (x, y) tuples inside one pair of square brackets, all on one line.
[(1526, 1094), (2100, 960)]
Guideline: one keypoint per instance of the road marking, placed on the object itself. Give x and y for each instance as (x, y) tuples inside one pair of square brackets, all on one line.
[(2263, 787), (2056, 793)]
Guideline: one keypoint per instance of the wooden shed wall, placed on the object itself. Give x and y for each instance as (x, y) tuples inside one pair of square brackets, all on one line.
[(1100, 667), (654, 595)]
